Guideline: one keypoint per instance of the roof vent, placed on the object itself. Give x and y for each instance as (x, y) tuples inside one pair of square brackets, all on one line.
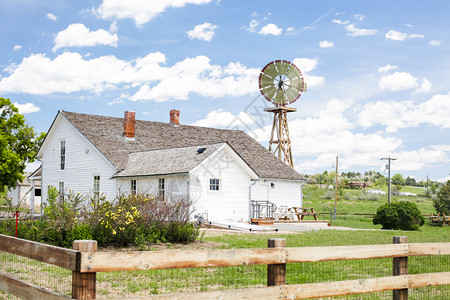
[(200, 150)]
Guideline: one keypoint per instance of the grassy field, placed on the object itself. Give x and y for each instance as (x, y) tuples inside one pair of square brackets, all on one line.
[(354, 201), (131, 284)]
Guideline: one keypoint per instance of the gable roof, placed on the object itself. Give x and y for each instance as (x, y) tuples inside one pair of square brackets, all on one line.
[(106, 134), (176, 160)]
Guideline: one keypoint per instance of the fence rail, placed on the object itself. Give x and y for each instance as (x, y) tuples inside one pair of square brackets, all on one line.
[(85, 262)]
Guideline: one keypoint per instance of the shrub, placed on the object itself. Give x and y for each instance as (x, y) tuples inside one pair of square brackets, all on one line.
[(349, 196), (127, 220), (399, 215), (329, 194), (368, 197)]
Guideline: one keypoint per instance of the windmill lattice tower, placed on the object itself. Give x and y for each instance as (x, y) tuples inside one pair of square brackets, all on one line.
[(281, 83)]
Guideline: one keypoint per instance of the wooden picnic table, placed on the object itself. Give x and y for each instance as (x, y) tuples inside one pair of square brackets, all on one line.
[(301, 212), (440, 219)]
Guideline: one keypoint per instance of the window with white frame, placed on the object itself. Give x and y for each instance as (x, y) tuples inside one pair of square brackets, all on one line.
[(61, 190), (214, 184), (97, 186), (133, 187), (63, 155), (161, 187)]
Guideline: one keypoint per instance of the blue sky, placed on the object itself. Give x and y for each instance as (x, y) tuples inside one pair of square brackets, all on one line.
[(377, 71)]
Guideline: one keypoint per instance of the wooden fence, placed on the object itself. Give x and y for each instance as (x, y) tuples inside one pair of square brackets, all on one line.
[(85, 262)]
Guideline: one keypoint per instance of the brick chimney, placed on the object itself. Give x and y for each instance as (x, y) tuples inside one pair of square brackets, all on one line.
[(129, 124), (175, 117)]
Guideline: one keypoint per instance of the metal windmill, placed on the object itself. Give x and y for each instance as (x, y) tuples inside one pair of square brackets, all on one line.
[(281, 83)]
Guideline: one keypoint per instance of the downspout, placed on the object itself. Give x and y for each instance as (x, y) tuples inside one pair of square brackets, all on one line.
[(250, 199), (302, 184)]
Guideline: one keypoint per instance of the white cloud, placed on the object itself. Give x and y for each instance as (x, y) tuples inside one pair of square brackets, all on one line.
[(435, 42), (270, 29), (419, 159), (52, 17), (396, 35), (78, 35), (424, 87), (387, 68), (307, 65), (252, 26), (359, 17), (354, 31), (148, 75), (26, 108), (224, 119), (204, 32), (141, 11), (290, 30), (401, 36), (17, 47), (326, 44), (399, 81), (330, 133), (443, 179), (197, 75), (416, 36), (403, 114), (335, 131), (144, 78), (340, 22)]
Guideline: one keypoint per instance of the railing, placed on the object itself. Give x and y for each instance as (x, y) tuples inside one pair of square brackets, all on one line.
[(85, 262), (263, 209), (333, 216)]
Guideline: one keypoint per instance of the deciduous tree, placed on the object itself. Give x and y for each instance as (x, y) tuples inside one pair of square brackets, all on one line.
[(18, 144)]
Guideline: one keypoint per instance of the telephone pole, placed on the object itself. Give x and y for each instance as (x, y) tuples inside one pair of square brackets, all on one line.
[(389, 175)]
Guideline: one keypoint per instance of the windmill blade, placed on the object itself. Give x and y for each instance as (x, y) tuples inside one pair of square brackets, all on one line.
[(282, 66), (269, 92), (292, 94), (270, 70), (297, 83), (280, 98), (293, 72), (265, 81)]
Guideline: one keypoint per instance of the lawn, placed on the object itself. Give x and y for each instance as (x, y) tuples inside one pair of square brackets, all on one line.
[(352, 203), (132, 284)]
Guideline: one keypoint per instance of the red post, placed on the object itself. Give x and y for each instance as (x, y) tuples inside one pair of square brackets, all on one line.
[(17, 219)]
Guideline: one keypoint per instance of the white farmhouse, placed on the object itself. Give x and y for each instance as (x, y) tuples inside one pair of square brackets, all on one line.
[(222, 171)]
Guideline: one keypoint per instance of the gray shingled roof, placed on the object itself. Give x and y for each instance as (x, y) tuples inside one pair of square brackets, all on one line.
[(176, 160), (106, 134)]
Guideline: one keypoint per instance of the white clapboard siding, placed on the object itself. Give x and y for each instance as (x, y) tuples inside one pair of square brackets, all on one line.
[(283, 193), (175, 185), (82, 163), (231, 202)]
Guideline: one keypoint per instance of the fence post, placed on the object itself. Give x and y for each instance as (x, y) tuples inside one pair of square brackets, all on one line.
[(276, 273), (400, 267), (83, 284)]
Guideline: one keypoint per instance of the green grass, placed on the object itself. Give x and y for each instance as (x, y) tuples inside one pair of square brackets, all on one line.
[(139, 283), (313, 197)]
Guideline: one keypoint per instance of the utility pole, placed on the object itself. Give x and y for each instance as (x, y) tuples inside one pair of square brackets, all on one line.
[(389, 175), (336, 188), (427, 187)]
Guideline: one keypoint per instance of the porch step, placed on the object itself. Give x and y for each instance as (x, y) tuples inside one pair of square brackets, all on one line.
[(263, 221)]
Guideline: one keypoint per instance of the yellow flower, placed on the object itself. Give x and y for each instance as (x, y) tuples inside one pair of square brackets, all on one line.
[(114, 232)]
